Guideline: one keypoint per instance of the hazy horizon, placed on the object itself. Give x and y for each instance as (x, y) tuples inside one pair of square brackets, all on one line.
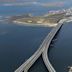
[(34, 0)]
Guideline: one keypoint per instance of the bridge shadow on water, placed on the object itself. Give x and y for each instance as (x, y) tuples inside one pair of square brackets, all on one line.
[(38, 66)]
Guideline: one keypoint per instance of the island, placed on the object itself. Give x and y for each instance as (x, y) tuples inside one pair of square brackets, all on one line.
[(50, 19)]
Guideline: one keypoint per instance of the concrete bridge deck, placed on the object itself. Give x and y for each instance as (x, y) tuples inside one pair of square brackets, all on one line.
[(43, 49), (45, 54)]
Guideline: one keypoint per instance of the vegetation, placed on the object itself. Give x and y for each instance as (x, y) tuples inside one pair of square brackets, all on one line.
[(54, 18)]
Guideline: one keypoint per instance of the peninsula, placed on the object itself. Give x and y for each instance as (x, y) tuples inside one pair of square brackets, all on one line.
[(51, 19)]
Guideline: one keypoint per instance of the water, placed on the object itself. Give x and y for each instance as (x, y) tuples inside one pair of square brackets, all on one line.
[(61, 53), (36, 8), (18, 43), (19, 10), (39, 66)]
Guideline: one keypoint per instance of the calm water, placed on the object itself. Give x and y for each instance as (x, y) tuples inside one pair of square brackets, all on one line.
[(19, 10), (61, 53), (18, 43), (36, 8)]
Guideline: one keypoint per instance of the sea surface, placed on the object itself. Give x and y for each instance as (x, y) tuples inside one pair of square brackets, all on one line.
[(60, 54), (18, 43)]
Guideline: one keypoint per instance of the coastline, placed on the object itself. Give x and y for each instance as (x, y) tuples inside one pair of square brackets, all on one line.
[(36, 24), (44, 21)]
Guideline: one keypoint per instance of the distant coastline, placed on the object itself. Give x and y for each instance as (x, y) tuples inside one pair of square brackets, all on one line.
[(51, 19)]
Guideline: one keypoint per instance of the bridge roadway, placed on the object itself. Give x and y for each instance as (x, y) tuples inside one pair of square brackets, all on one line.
[(42, 50), (45, 52)]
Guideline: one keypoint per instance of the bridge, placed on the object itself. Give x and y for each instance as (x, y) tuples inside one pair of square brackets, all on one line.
[(43, 49)]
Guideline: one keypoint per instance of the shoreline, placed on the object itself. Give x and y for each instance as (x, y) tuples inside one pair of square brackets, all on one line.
[(36, 24)]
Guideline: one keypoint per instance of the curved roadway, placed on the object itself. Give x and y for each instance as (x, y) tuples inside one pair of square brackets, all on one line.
[(42, 50), (45, 54)]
